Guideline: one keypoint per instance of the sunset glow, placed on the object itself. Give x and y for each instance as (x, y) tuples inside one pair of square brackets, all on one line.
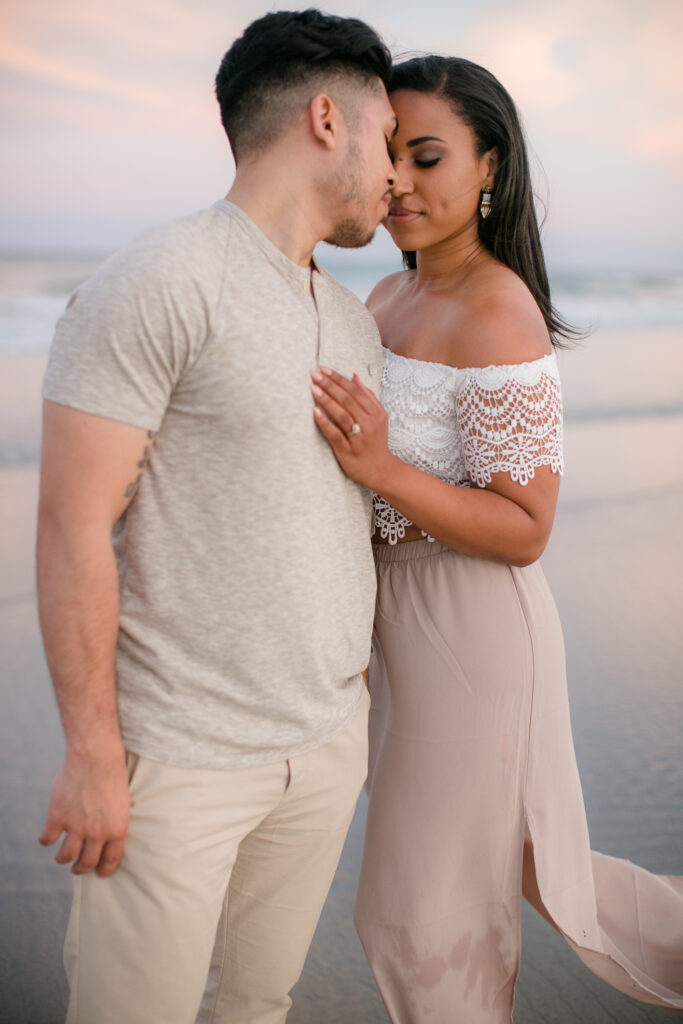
[(109, 121)]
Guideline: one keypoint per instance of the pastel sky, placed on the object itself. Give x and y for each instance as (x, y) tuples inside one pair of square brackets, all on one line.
[(109, 123)]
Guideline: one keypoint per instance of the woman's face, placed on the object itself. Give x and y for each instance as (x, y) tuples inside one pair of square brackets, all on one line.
[(439, 177)]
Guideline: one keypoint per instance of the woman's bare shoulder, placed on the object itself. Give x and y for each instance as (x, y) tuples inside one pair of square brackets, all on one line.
[(387, 289), (500, 321)]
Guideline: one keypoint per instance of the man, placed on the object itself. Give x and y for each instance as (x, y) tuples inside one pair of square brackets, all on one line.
[(207, 655)]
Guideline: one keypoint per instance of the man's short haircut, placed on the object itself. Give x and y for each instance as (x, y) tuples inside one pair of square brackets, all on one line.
[(282, 60)]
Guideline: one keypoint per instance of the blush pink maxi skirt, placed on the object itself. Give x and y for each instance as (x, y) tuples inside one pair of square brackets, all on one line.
[(471, 750)]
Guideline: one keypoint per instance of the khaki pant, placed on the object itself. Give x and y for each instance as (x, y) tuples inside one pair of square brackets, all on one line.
[(227, 869)]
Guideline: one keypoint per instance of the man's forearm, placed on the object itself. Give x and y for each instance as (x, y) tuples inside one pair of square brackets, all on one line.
[(78, 600)]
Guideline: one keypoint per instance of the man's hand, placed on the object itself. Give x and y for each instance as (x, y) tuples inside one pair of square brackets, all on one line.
[(90, 801)]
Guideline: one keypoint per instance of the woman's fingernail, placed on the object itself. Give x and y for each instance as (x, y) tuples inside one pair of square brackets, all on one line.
[(318, 392), (316, 376), (325, 369)]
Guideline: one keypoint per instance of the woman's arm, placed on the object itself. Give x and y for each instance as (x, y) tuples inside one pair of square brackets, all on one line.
[(504, 521)]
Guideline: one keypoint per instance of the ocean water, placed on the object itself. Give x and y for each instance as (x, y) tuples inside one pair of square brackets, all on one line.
[(34, 290), (615, 563), (633, 305)]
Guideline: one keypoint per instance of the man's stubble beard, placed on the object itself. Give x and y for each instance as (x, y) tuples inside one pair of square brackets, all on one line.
[(351, 232)]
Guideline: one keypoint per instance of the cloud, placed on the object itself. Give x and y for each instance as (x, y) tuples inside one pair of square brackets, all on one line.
[(96, 70), (75, 75), (149, 56), (662, 142)]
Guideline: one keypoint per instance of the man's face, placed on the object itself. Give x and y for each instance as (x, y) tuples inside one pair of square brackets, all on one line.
[(362, 188)]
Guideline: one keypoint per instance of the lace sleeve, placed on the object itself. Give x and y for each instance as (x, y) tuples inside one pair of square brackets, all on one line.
[(510, 419)]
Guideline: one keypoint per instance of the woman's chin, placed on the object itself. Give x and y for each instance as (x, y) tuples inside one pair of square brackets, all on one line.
[(398, 237), (385, 225)]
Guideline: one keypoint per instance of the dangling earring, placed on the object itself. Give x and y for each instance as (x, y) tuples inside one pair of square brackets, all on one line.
[(485, 206)]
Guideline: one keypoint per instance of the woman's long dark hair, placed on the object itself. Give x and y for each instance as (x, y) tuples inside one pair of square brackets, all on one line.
[(510, 232)]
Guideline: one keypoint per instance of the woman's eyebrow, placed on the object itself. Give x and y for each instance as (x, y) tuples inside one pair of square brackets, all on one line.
[(424, 138)]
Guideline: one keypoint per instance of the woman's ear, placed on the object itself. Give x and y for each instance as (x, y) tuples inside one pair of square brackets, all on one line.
[(489, 165)]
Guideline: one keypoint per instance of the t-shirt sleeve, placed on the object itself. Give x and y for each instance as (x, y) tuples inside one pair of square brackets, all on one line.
[(510, 420), (127, 336)]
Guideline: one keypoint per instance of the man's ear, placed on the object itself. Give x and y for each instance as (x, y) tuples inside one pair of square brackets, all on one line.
[(325, 120)]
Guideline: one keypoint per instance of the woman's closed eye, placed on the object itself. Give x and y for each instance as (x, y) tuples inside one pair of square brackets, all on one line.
[(427, 156), (428, 161)]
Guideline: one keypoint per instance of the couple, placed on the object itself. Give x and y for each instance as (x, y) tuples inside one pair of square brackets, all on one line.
[(212, 436)]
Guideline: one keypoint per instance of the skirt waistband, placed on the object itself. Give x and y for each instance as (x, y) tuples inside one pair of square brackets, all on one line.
[(408, 551)]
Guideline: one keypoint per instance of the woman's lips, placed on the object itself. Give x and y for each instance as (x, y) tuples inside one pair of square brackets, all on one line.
[(400, 215)]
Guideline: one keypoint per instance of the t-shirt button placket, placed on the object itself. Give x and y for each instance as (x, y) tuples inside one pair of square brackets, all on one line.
[(324, 346)]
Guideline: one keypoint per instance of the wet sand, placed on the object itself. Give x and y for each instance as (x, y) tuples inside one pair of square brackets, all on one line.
[(615, 563)]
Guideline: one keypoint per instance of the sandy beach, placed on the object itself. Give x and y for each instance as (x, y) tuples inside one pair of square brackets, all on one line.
[(615, 563)]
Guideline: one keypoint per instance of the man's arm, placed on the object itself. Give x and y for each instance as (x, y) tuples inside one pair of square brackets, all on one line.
[(90, 470)]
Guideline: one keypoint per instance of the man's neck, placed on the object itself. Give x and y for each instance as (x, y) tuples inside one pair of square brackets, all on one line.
[(281, 206)]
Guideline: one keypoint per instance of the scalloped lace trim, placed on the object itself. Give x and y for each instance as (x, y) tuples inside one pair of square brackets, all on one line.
[(392, 525), (511, 422), (465, 424)]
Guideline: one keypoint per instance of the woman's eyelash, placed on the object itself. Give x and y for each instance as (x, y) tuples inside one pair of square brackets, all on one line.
[(428, 163)]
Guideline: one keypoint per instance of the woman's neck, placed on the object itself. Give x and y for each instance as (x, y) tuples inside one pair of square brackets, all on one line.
[(449, 263)]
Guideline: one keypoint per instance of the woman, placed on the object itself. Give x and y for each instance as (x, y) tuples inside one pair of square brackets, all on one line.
[(474, 792)]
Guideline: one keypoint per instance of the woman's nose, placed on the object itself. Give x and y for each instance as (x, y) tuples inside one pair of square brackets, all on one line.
[(402, 185)]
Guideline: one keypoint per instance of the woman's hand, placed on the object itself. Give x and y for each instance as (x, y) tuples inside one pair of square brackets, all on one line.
[(355, 424)]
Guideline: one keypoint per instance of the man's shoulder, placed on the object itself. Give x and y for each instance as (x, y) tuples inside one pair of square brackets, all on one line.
[(179, 241), (187, 252)]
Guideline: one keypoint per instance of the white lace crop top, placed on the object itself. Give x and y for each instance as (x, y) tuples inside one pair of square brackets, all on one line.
[(464, 424)]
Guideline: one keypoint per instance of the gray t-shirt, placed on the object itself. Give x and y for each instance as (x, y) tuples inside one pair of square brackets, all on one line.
[(246, 572)]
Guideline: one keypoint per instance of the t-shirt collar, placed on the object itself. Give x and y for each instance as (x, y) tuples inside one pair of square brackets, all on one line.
[(296, 273)]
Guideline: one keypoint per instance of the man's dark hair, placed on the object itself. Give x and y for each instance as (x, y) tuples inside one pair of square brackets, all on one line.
[(279, 63)]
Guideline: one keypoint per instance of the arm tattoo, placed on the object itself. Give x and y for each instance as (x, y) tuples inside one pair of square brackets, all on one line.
[(142, 465)]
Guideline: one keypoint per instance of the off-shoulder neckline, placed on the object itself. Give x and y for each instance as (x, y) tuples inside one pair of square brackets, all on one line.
[(469, 369)]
